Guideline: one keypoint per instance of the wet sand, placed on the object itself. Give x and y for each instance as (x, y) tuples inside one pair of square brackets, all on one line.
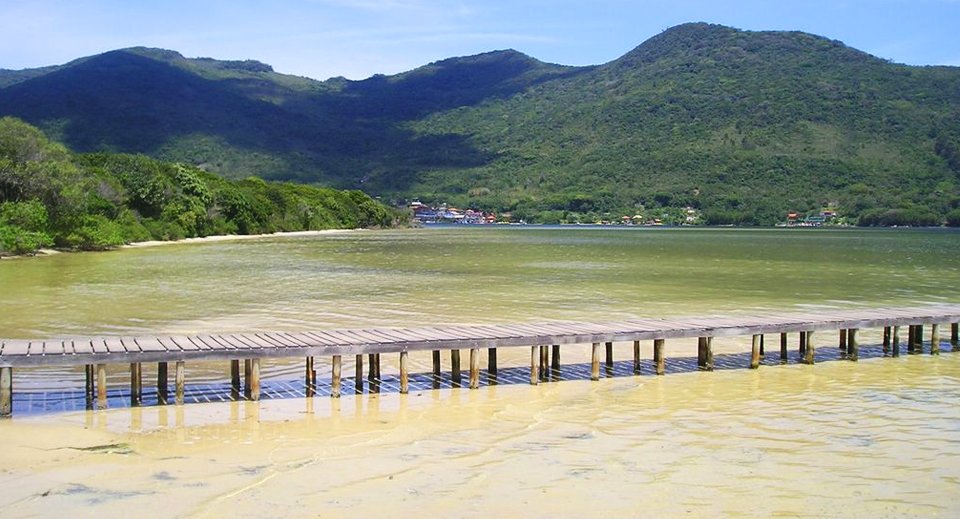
[(872, 439)]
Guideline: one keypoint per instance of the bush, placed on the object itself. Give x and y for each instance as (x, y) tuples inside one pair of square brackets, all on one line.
[(16, 240), (95, 232)]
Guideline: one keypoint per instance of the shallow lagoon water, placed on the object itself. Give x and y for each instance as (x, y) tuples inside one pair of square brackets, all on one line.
[(874, 439)]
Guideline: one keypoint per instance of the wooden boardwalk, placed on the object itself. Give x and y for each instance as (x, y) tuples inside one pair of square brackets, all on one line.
[(96, 352)]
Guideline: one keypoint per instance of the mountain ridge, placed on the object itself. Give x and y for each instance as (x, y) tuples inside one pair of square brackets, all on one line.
[(743, 124)]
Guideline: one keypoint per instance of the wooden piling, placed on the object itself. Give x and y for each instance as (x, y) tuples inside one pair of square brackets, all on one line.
[(809, 349), (492, 363), (455, 368), (179, 382), (658, 360), (163, 393), (534, 365), (705, 353), (101, 386), (544, 362), (336, 363), (6, 392), (853, 347), (358, 374), (595, 361), (88, 376), (803, 344), (436, 364), (763, 353), (474, 368), (843, 341), (254, 381), (404, 373), (235, 378), (136, 384), (895, 341), (934, 339), (247, 370), (608, 360), (783, 348), (886, 340), (917, 339), (372, 371), (555, 359), (755, 353), (308, 374), (636, 357), (911, 340), (955, 336)]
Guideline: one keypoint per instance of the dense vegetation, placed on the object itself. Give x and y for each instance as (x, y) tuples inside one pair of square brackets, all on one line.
[(52, 197), (742, 126)]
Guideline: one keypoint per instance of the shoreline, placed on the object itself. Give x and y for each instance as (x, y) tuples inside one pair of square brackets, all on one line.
[(232, 237), (201, 239)]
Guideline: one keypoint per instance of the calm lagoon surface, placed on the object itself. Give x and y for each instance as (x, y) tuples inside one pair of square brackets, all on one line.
[(879, 438)]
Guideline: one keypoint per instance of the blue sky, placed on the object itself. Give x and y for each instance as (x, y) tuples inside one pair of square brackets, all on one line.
[(358, 38)]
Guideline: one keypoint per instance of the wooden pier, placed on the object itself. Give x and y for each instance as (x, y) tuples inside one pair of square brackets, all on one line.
[(96, 352)]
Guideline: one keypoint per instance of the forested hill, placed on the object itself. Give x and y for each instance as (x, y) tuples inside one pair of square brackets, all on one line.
[(744, 126), (52, 197)]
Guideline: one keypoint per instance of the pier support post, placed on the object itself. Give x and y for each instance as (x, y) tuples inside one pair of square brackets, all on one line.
[(6, 392), (636, 357), (163, 393), (555, 359), (247, 370), (253, 382), (608, 359), (235, 378), (308, 372), (534, 365), (474, 368), (455, 368), (373, 372), (436, 365), (911, 331), (88, 376), (136, 384), (762, 351), (916, 342), (492, 364), (934, 339), (404, 373), (755, 353), (179, 382), (544, 362), (336, 364), (658, 360), (595, 361), (101, 386), (895, 341), (783, 348), (955, 336), (705, 353), (843, 342), (358, 374), (803, 345), (853, 347), (809, 349), (886, 340)]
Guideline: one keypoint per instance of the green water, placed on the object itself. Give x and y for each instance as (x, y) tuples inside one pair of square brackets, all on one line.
[(471, 275), (876, 438)]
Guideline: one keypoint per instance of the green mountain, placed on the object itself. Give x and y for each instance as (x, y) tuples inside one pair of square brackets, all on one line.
[(744, 126)]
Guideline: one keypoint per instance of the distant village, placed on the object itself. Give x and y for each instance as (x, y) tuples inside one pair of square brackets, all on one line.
[(446, 214), (425, 214)]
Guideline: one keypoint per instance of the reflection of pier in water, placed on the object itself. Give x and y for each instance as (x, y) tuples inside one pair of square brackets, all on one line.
[(903, 331)]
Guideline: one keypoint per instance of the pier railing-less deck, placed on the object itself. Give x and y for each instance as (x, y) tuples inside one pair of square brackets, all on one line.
[(95, 353)]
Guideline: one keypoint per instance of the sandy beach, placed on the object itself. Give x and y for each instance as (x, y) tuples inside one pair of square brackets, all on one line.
[(204, 239)]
